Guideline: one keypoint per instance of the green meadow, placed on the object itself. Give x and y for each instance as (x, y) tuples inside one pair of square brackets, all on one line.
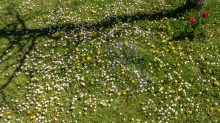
[(105, 61)]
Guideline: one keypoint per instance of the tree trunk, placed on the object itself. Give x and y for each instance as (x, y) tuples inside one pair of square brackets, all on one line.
[(198, 4)]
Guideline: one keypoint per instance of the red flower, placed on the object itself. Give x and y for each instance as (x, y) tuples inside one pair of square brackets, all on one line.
[(192, 19), (206, 14)]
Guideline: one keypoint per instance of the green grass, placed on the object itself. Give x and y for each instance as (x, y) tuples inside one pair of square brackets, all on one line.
[(122, 68)]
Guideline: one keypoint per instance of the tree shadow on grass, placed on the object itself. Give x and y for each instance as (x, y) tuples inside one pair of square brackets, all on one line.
[(33, 34)]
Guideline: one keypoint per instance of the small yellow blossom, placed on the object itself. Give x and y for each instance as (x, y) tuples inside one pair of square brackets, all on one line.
[(39, 110), (152, 45), (30, 7), (132, 81), (77, 66), (143, 103), (190, 112), (28, 112), (122, 66), (39, 96), (79, 34), (218, 110), (175, 80), (8, 113), (204, 70), (187, 45), (167, 50), (170, 42), (174, 51), (169, 87), (55, 118), (210, 86), (186, 38), (211, 109), (162, 87), (68, 2), (77, 48), (106, 90), (211, 35), (133, 26), (67, 48), (158, 33), (89, 58), (164, 48), (164, 26), (158, 59), (33, 117), (181, 89), (103, 61), (173, 48), (44, 17), (165, 18), (181, 57), (123, 72), (161, 66), (87, 100), (124, 92), (98, 52), (180, 48)]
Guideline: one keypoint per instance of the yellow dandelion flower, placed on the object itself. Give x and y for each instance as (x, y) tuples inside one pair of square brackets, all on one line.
[(122, 66), (123, 72), (8, 113), (55, 118), (132, 81), (68, 2), (165, 18), (181, 89), (176, 91), (166, 5), (164, 48), (178, 30), (178, 74), (44, 17), (161, 66), (158, 59), (30, 7), (94, 109), (174, 64), (133, 26), (157, 51), (28, 112), (211, 109), (211, 35), (174, 51), (175, 80), (173, 48), (89, 58), (143, 103), (39, 96), (91, 34), (87, 100), (180, 48), (124, 92), (39, 110), (210, 86), (186, 38), (67, 48), (106, 90), (71, 33), (204, 70), (181, 57), (79, 34), (218, 110), (77, 66), (169, 87), (182, 54), (58, 33), (133, 39), (100, 43), (152, 45), (164, 26), (170, 42), (155, 21), (167, 50), (103, 61), (77, 48), (162, 87), (126, 42), (98, 52), (190, 112), (176, 58), (158, 33)]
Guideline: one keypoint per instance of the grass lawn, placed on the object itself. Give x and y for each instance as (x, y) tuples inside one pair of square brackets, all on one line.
[(108, 61)]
